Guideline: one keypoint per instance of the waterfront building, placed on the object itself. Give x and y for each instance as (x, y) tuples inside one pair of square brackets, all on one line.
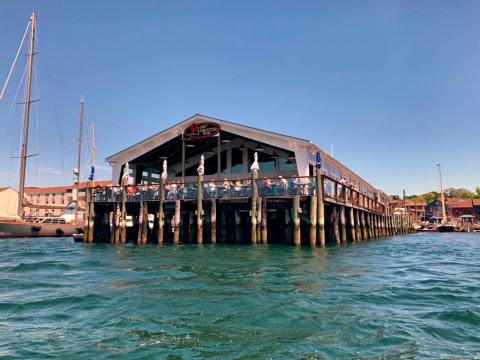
[(228, 149), (55, 195), (416, 208)]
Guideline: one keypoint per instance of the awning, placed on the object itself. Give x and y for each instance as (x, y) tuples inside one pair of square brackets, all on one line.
[(466, 216)]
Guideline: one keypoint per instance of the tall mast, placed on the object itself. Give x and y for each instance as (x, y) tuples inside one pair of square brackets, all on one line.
[(442, 196), (26, 119), (79, 155)]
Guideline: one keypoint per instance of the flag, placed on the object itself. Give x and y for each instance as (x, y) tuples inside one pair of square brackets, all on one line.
[(92, 173)]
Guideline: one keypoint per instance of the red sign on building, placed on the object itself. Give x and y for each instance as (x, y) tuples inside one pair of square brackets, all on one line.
[(200, 131)]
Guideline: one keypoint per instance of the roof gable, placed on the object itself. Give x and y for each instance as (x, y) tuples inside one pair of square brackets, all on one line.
[(177, 129)]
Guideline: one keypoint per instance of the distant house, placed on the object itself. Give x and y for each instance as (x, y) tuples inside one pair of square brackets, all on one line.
[(455, 208), (476, 208), (8, 202), (459, 207), (415, 208)]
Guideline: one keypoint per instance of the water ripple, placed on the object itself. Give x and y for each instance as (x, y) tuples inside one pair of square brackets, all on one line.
[(405, 297)]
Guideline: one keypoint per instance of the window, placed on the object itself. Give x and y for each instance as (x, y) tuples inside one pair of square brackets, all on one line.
[(266, 162), (47, 198), (53, 198), (287, 165), (63, 198), (237, 161)]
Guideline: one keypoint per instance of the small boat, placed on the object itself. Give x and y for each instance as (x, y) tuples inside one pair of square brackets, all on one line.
[(446, 228)]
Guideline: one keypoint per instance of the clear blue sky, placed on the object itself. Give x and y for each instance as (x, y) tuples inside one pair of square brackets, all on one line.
[(393, 85)]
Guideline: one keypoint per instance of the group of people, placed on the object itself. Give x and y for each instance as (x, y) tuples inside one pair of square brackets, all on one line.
[(212, 189)]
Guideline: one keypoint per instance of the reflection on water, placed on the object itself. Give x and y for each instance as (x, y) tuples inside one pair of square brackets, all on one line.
[(411, 296)]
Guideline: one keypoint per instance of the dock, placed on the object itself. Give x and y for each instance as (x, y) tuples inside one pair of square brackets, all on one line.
[(207, 180), (315, 211)]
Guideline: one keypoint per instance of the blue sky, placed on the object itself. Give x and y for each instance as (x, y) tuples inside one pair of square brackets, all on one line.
[(393, 85)]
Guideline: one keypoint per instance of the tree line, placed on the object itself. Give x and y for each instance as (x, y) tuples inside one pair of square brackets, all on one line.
[(449, 193)]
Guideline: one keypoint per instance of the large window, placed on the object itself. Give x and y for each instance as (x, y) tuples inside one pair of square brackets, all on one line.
[(287, 165), (266, 162), (237, 161)]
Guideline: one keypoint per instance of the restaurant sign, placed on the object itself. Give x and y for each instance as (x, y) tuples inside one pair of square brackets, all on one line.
[(202, 130)]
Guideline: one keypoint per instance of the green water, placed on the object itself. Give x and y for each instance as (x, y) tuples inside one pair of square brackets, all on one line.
[(414, 296)]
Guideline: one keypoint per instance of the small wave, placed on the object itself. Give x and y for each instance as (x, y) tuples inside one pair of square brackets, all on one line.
[(44, 265)]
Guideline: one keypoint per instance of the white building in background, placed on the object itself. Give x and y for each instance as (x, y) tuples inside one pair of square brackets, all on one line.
[(8, 202)]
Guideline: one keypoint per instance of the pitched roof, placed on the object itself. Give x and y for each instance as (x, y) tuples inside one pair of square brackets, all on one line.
[(459, 203), (476, 202), (171, 133)]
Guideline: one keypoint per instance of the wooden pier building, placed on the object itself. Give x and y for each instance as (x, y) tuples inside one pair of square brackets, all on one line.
[(207, 180)]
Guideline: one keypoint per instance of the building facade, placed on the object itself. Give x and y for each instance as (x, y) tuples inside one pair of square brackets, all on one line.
[(57, 196), (228, 149), (8, 202)]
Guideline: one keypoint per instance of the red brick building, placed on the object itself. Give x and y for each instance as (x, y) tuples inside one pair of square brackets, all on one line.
[(458, 207)]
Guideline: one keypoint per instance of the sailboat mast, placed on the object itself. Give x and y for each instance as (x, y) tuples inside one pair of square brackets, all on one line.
[(26, 119), (80, 136), (442, 196)]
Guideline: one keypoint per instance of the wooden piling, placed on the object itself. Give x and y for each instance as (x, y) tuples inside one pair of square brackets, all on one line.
[(357, 225), (253, 212), (140, 224), (353, 233), (200, 210), (123, 213), (313, 220), (191, 226), (296, 220), (161, 215), (176, 222), (86, 221), (111, 224), (259, 219), (343, 224), (363, 225), (91, 226), (223, 226), (117, 223), (264, 221), (213, 221), (336, 232), (320, 208)]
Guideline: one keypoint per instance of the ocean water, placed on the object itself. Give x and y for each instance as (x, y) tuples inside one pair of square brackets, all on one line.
[(415, 296)]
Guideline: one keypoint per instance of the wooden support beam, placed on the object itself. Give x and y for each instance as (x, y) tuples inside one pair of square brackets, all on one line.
[(213, 221), (358, 232), (313, 221), (320, 208), (296, 220), (343, 224), (111, 225), (336, 232), (288, 226), (161, 214), (91, 226), (353, 233), (200, 210), (264, 221), (259, 219), (117, 223), (176, 221), (123, 214), (140, 224), (253, 212), (363, 225), (86, 216), (145, 224)]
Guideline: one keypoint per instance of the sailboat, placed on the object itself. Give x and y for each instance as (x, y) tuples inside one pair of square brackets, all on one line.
[(444, 226), (36, 226)]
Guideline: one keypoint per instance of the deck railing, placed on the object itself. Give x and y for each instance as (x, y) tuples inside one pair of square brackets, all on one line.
[(333, 191)]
